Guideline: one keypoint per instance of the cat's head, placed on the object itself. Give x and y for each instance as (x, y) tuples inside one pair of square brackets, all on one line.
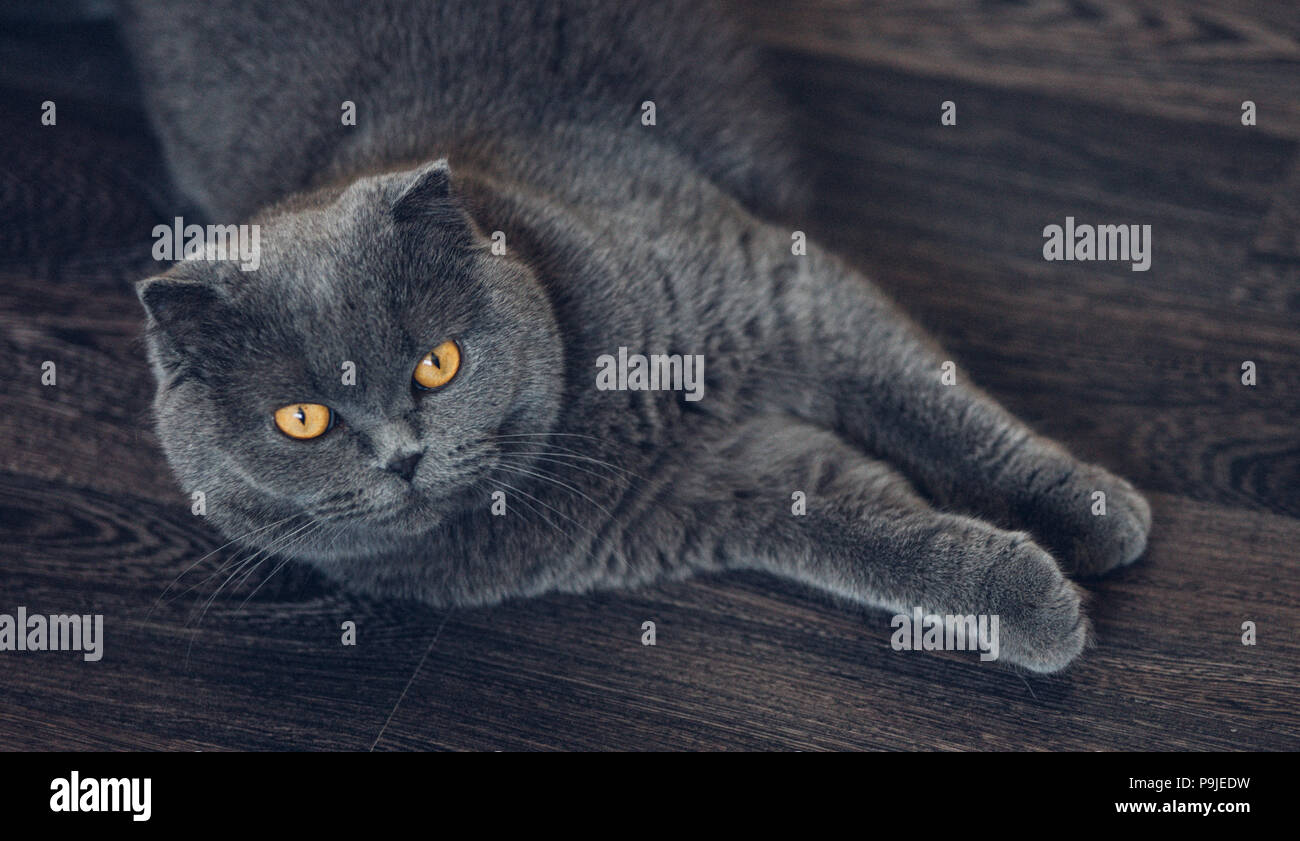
[(359, 378)]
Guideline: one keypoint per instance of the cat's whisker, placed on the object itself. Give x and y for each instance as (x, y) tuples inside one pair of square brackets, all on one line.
[(548, 478), (225, 566), (274, 570), (553, 448), (545, 519), (505, 457), (202, 605), (188, 569), (556, 510), (220, 570), (286, 560), (264, 551), (563, 452), (542, 434), (339, 532), (282, 549), (194, 637)]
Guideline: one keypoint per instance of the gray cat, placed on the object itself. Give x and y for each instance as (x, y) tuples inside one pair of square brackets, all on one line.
[(407, 391)]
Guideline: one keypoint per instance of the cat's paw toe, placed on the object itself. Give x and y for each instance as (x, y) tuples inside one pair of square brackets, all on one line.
[(1094, 520), (1042, 625), (1114, 534)]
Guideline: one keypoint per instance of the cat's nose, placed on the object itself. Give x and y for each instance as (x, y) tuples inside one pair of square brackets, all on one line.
[(404, 466)]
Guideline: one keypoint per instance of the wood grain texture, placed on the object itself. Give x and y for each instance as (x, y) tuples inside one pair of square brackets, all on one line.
[(1108, 111), (1195, 62)]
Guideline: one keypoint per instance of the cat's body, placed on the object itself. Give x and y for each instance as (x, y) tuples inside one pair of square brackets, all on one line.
[(618, 235), (247, 96)]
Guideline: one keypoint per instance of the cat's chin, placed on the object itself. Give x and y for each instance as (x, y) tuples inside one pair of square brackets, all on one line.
[(365, 537), (414, 513)]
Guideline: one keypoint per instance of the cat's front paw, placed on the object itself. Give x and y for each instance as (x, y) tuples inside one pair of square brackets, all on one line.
[(1117, 537), (1042, 626), (1093, 519)]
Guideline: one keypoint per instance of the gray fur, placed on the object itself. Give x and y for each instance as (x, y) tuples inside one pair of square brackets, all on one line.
[(618, 234)]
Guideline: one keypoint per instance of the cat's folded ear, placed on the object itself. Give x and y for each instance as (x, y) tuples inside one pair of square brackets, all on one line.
[(430, 196), (428, 187), (173, 301)]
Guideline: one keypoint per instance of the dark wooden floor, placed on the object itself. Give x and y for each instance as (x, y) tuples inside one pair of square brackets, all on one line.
[(1107, 111)]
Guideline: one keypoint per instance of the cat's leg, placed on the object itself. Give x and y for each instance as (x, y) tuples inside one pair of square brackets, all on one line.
[(901, 397), (798, 501)]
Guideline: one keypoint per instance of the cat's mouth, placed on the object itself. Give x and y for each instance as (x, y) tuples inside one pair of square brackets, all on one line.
[(403, 508), (408, 508)]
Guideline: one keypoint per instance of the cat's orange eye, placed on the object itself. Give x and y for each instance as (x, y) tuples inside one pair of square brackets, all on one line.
[(304, 420), (438, 366)]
